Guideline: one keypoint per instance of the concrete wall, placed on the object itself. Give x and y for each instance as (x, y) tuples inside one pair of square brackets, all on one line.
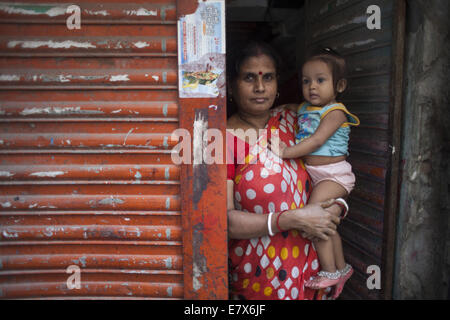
[(422, 256)]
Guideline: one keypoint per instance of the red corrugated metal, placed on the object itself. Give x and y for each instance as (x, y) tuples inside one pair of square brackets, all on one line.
[(86, 176)]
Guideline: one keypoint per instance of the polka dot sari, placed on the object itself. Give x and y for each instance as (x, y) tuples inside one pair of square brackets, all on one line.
[(270, 267)]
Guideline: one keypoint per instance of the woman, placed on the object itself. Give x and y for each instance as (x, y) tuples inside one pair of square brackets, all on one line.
[(270, 227)]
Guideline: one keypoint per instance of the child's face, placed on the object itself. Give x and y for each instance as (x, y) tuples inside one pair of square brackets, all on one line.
[(317, 83)]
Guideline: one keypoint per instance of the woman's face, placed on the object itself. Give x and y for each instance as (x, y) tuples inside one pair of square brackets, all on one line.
[(255, 88)]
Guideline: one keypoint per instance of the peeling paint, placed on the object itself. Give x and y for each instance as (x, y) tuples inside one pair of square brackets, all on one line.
[(138, 175), (196, 283), (97, 13), (111, 201), (141, 44), (169, 291), (10, 234), (156, 78), (9, 77), (63, 78), (49, 231), (49, 43), (167, 203), (168, 262), (165, 144), (6, 174), (50, 174), (126, 137), (120, 77), (166, 173), (141, 12), (82, 260), (165, 109), (6, 204), (199, 144), (168, 233), (58, 111), (50, 11)]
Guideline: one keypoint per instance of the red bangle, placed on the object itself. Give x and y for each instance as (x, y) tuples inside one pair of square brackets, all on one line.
[(278, 223)]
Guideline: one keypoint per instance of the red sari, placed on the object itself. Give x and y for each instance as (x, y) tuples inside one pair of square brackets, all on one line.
[(268, 267)]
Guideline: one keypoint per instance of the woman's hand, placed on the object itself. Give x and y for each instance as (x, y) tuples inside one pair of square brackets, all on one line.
[(313, 221)]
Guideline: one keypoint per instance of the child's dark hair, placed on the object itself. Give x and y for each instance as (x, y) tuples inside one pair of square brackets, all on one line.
[(334, 60)]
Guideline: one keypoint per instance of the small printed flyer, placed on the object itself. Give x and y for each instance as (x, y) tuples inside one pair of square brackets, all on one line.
[(201, 51)]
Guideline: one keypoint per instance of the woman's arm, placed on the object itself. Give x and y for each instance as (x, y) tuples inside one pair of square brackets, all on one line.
[(243, 225), (312, 220)]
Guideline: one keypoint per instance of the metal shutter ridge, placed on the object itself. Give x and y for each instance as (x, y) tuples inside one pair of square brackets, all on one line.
[(374, 65), (86, 173)]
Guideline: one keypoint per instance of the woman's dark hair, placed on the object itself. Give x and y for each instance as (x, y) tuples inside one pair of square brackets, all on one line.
[(254, 48), (334, 60)]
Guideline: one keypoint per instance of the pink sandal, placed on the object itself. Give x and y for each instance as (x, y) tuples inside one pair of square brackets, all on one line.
[(346, 273), (324, 279)]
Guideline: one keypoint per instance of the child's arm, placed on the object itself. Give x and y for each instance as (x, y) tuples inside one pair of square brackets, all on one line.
[(327, 127)]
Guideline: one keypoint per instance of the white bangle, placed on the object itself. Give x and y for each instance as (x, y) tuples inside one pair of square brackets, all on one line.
[(344, 206), (269, 224)]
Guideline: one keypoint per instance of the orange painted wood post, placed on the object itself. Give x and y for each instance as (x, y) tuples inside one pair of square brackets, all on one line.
[(203, 186)]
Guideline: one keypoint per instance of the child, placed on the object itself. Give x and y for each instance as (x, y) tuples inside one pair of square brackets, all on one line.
[(322, 141)]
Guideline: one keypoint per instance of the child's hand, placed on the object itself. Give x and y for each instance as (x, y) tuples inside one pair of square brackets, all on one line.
[(278, 148)]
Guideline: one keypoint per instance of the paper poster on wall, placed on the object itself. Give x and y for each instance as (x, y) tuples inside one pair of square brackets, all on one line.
[(201, 51)]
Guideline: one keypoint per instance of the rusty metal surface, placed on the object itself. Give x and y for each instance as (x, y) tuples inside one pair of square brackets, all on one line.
[(203, 200), (86, 176), (369, 54)]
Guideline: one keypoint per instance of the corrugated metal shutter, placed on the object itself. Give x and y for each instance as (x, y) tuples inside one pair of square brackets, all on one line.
[(374, 59), (86, 172)]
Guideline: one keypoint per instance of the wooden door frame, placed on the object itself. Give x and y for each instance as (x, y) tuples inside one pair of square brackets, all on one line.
[(393, 178)]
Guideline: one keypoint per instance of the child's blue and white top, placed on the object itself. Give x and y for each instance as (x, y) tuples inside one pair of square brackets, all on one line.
[(308, 120)]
